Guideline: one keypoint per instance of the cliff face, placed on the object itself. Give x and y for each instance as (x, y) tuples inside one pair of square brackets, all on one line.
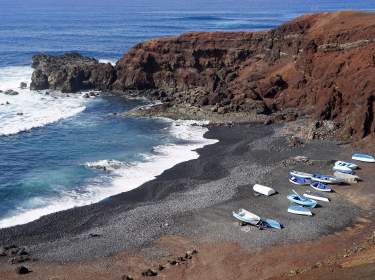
[(323, 64)]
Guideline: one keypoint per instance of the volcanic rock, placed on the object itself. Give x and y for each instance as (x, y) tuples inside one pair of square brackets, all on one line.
[(71, 72)]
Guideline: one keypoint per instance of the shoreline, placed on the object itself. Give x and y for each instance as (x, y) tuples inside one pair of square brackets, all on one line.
[(189, 137), (195, 199)]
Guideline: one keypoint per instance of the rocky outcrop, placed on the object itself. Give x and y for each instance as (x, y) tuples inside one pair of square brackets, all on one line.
[(71, 73), (322, 64), (318, 65)]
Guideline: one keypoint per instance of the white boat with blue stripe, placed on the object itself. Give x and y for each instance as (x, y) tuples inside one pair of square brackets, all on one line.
[(363, 157)]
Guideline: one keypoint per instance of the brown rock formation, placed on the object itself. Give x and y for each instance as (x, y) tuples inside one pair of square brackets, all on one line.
[(323, 64)]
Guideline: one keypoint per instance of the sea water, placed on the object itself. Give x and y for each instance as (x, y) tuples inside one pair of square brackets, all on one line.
[(59, 151)]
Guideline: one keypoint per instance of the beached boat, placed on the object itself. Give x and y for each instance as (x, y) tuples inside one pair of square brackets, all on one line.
[(347, 178), (342, 169), (363, 157), (320, 187), (296, 198), (300, 174), (316, 196), (272, 223), (246, 216), (299, 180), (263, 190), (299, 210), (326, 179), (346, 164)]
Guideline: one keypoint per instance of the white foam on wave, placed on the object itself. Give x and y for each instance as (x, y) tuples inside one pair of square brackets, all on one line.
[(124, 179), (111, 61), (31, 109), (105, 164)]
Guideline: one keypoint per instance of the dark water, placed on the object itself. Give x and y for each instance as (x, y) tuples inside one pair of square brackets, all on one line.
[(44, 152)]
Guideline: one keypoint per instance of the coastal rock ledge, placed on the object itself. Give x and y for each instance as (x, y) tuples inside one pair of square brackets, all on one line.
[(319, 65)]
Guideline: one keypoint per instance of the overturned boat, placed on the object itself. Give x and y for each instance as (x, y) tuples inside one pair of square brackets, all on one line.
[(316, 196), (300, 174), (263, 190), (299, 210), (363, 157)]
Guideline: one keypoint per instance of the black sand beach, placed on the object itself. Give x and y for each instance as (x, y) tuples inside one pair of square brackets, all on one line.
[(196, 199)]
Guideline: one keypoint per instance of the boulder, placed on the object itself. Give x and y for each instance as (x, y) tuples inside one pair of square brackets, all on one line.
[(149, 272), (22, 270), (23, 85), (70, 72)]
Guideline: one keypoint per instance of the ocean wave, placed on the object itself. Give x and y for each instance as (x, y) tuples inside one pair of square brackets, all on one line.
[(126, 177), (105, 165), (32, 109)]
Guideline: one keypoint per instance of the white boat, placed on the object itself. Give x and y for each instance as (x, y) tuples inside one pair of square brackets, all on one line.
[(326, 179), (300, 174), (363, 157), (299, 210), (246, 216), (346, 164), (342, 169), (316, 196), (263, 190), (347, 178)]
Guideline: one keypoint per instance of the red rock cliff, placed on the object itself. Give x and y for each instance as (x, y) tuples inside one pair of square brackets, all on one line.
[(322, 64)]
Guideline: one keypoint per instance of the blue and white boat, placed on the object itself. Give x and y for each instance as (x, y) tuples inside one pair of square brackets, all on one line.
[(326, 179), (272, 223), (346, 164), (296, 198), (246, 217), (299, 210), (342, 169), (363, 157), (299, 180), (320, 187), (300, 174)]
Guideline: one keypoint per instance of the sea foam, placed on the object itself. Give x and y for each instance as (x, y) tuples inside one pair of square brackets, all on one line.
[(125, 177), (31, 109)]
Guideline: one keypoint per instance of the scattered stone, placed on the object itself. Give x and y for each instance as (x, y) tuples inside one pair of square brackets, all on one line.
[(2, 252), (22, 270), (23, 85), (19, 259), (19, 114), (11, 92), (294, 141), (172, 262), (161, 267), (127, 277), (86, 95), (95, 235), (149, 272), (7, 103), (46, 93)]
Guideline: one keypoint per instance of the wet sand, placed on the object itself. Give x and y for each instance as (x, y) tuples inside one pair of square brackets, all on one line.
[(190, 206)]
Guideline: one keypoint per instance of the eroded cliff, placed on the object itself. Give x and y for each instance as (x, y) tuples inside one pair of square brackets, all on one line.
[(321, 65)]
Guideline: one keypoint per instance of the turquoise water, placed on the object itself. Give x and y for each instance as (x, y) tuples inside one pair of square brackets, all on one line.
[(53, 148)]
